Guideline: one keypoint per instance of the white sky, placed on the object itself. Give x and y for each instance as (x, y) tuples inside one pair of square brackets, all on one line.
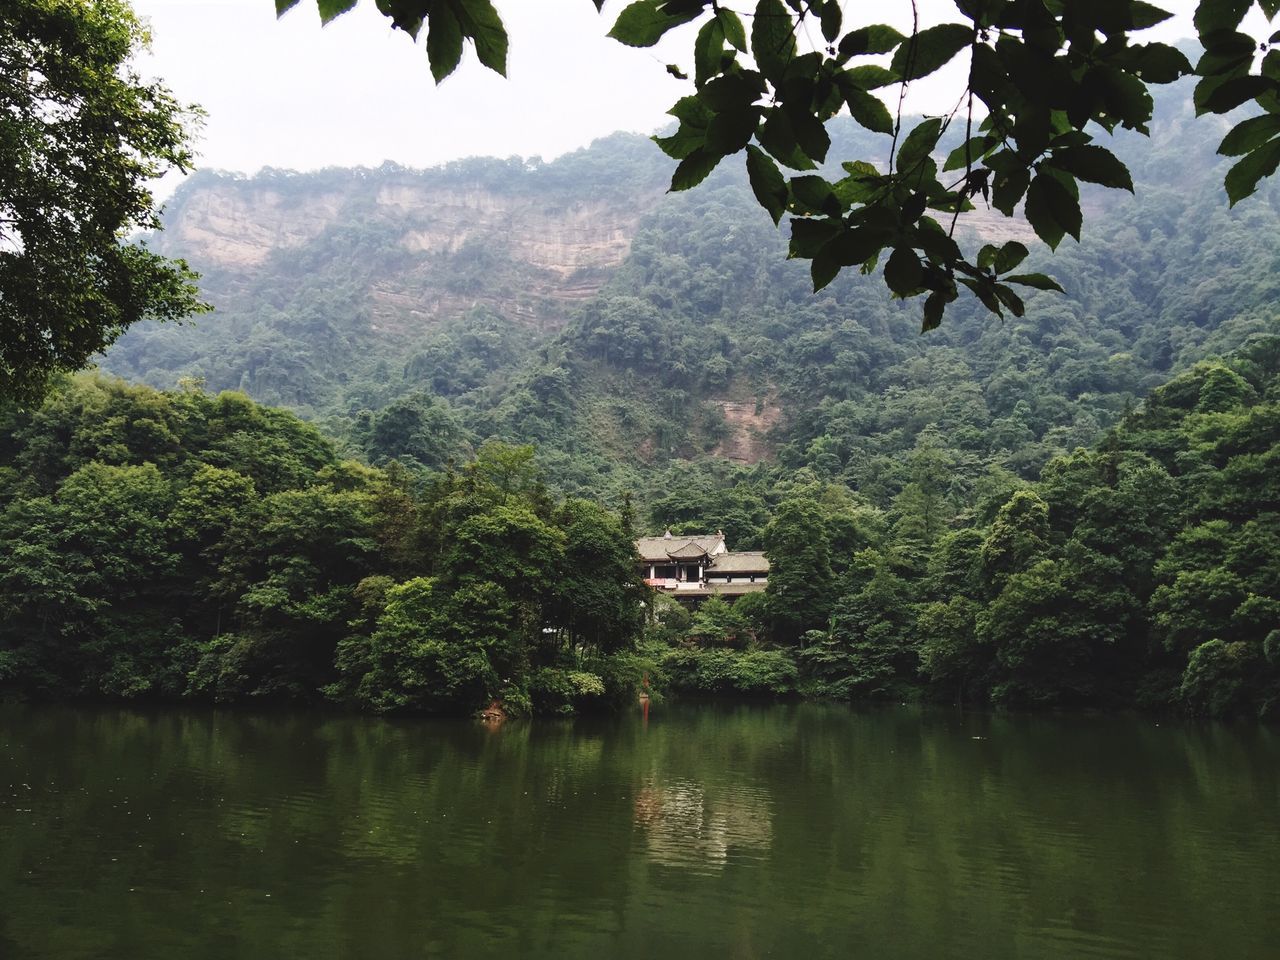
[(289, 94)]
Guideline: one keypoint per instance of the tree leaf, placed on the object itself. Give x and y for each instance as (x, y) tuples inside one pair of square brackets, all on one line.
[(1009, 189), (919, 143), (694, 168), (644, 22), (773, 40), (1146, 15), (1242, 179), (985, 291), (708, 49), (1213, 16), (831, 19), (284, 6), (767, 182), (870, 111), (814, 195), (810, 133), (870, 76), (328, 8), (777, 136), (1095, 164), (971, 151), (734, 32), (934, 305), (1039, 281), (823, 270), (1009, 256), (1158, 62), (873, 39), (1051, 210), (1231, 93), (930, 49), (730, 130), (1010, 300), (444, 42), (903, 272), (810, 236), (406, 15), (480, 22), (1249, 134)]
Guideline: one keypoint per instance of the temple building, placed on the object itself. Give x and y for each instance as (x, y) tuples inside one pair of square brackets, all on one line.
[(700, 566)]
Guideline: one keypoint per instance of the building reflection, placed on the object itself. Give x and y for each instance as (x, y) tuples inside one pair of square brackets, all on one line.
[(684, 827)]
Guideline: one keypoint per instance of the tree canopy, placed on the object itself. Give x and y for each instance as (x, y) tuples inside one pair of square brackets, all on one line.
[(1045, 79), (81, 136)]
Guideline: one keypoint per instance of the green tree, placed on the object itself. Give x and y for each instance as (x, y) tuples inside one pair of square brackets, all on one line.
[(435, 651), (717, 623), (1049, 77), (82, 136), (600, 592), (952, 657), (871, 649), (801, 583), (1018, 538)]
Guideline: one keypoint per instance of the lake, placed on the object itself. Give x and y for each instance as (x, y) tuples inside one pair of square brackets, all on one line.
[(803, 831)]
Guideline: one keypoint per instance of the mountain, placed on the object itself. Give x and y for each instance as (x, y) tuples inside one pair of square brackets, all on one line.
[(324, 282), (663, 344)]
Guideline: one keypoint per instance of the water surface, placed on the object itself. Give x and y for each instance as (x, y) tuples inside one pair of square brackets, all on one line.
[(742, 832)]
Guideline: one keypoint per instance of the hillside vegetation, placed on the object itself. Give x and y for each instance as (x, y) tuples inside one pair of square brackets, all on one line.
[(204, 547), (1031, 510)]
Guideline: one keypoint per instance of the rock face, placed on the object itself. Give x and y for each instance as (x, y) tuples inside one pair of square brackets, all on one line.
[(442, 248), (236, 224), (749, 423)]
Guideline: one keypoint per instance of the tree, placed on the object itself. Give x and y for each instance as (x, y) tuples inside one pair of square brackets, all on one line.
[(1043, 76), (81, 137), (800, 578)]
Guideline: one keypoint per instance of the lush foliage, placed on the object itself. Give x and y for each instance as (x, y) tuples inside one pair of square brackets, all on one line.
[(1043, 78), (82, 136), (188, 545), (1144, 571)]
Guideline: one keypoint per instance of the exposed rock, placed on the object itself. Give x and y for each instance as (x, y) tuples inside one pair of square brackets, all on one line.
[(749, 422), (238, 224), (556, 254)]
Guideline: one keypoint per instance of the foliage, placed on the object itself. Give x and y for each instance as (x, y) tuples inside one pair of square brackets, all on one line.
[(721, 672), (1043, 79), (82, 136), (631, 394), (187, 545)]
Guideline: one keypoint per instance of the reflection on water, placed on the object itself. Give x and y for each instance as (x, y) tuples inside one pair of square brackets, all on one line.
[(730, 832), (683, 828)]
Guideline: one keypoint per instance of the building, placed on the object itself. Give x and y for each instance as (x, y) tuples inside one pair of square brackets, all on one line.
[(700, 566)]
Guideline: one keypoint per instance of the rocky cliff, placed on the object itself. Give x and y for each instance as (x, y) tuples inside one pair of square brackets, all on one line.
[(320, 277)]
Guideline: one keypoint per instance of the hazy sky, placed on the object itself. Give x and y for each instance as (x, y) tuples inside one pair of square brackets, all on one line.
[(289, 94)]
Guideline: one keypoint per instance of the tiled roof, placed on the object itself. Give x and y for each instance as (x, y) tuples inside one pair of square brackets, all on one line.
[(661, 549), (748, 561)]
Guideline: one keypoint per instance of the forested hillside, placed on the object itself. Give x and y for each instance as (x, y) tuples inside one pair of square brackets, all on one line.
[(187, 545), (1076, 506), (342, 289), (671, 344)]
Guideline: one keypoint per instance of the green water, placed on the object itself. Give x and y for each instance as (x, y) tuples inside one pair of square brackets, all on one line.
[(789, 831)]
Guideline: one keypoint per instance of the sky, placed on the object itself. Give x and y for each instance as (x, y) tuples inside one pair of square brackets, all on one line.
[(288, 94)]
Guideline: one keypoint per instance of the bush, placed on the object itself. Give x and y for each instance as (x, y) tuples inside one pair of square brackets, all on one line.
[(757, 673), (557, 692), (1220, 678)]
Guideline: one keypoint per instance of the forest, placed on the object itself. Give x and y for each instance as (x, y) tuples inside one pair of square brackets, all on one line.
[(187, 545), (1075, 507)]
